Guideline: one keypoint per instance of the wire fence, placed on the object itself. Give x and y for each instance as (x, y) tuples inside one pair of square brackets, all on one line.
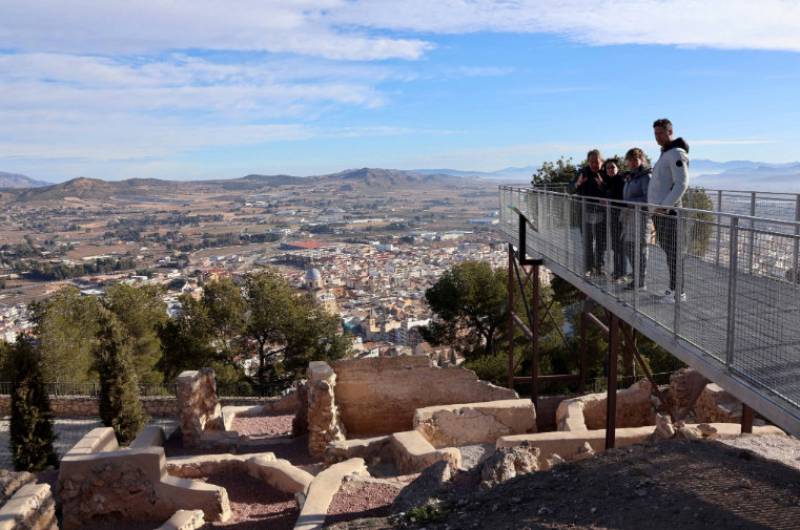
[(724, 281), (92, 389)]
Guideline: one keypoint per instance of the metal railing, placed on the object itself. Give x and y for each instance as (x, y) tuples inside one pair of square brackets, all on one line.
[(742, 300), (74, 389)]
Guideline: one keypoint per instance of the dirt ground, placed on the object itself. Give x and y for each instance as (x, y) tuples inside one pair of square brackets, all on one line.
[(668, 485)]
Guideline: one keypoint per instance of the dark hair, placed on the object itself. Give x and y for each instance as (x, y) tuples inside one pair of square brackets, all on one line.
[(664, 123), (595, 152), (608, 161)]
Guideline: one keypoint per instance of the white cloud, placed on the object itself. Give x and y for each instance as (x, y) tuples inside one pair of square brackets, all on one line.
[(728, 24), (151, 26)]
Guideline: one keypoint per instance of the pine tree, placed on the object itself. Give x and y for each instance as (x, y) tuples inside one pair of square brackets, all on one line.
[(120, 407), (32, 434)]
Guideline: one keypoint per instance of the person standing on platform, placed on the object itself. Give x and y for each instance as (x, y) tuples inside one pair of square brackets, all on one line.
[(591, 186), (669, 182), (636, 183), (615, 185)]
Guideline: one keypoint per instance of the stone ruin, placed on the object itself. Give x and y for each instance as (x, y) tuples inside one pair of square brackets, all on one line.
[(359, 417)]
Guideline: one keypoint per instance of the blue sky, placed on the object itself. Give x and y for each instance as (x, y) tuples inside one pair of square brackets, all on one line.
[(201, 89)]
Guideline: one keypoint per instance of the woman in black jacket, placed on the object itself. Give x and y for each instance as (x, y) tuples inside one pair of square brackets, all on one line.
[(592, 187), (615, 184)]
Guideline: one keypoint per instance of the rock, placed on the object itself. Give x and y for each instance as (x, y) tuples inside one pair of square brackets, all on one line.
[(509, 462), (715, 405), (685, 387), (554, 460), (584, 452), (687, 432), (664, 429), (425, 486), (708, 431), (198, 406)]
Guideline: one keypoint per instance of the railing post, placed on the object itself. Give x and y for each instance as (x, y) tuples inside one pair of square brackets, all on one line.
[(733, 271), (796, 262), (719, 226), (680, 234), (510, 322), (751, 237), (637, 252), (608, 259), (584, 225)]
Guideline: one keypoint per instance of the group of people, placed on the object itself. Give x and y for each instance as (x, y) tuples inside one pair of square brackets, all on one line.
[(660, 188)]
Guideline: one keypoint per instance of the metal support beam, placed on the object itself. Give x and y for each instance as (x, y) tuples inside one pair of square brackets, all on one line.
[(611, 399), (582, 355), (535, 336), (747, 419), (510, 319)]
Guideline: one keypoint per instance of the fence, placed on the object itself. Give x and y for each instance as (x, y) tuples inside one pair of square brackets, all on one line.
[(59, 389), (742, 300)]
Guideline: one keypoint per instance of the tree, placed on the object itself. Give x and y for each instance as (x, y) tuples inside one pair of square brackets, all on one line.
[(188, 341), (66, 326), (562, 171), (141, 312), (286, 329), (120, 406), (225, 309), (32, 434), (469, 303)]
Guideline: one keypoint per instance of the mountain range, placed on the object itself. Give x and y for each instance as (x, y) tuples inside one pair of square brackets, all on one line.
[(137, 188), (733, 175)]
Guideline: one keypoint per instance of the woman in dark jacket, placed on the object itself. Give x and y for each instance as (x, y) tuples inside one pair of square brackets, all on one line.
[(591, 185), (615, 184), (635, 190)]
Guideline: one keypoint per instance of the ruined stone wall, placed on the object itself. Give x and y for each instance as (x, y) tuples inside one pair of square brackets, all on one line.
[(324, 422), (380, 395), (26, 505)]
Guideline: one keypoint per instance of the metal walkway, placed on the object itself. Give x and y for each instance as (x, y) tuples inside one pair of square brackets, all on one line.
[(739, 330)]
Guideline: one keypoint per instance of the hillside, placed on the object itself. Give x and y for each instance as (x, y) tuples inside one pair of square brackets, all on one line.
[(17, 181), (155, 189)]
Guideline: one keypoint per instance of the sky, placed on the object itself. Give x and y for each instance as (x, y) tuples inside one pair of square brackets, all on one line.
[(193, 89)]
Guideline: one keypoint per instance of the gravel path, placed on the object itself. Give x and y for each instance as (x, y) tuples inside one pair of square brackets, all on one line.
[(663, 486), (255, 505), (784, 449), (264, 427), (357, 499)]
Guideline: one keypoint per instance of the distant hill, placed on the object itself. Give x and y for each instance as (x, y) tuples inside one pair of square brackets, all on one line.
[(17, 181), (746, 175), (389, 178), (508, 173)]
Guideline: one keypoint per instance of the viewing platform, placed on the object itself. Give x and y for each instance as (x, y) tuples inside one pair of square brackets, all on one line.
[(738, 257)]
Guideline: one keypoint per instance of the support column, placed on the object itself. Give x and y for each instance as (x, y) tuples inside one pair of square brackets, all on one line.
[(627, 357), (611, 398), (584, 325), (535, 336), (510, 322), (747, 419)]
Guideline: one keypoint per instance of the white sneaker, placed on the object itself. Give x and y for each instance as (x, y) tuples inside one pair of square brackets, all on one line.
[(669, 297)]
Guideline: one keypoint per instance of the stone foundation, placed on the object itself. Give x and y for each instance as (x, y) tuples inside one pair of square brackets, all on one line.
[(380, 396), (475, 423), (31, 507), (97, 479), (588, 412)]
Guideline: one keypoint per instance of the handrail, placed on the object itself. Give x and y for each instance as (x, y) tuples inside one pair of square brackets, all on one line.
[(603, 200)]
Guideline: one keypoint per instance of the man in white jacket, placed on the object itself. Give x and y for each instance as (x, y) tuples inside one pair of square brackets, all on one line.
[(668, 183)]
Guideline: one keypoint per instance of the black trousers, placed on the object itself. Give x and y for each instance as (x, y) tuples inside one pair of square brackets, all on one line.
[(667, 236), (630, 248), (594, 246), (617, 244)]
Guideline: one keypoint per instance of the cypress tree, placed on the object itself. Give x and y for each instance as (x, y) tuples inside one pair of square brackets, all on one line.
[(120, 407), (32, 434)]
